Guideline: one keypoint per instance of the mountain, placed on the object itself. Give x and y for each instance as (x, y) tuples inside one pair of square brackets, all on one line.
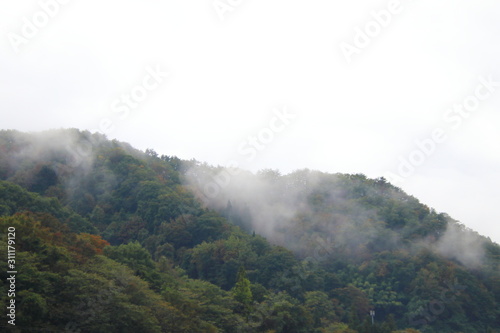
[(112, 239)]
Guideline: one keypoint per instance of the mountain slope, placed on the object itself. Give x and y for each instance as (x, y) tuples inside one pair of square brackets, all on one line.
[(343, 244)]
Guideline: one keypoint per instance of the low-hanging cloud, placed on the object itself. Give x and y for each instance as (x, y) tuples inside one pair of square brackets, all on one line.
[(301, 210), (461, 244), (305, 209)]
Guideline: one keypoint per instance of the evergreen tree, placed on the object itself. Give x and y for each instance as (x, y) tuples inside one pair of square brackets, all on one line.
[(241, 290)]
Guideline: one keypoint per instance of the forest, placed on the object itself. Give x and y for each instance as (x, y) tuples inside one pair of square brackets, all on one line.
[(109, 238)]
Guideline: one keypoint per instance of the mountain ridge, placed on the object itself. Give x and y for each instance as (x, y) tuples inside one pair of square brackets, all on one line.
[(355, 241)]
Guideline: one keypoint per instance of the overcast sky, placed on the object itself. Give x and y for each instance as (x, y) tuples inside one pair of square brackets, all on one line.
[(402, 89)]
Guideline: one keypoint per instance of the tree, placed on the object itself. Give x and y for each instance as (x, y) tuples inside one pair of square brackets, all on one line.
[(44, 178), (337, 328), (320, 307), (281, 313), (241, 290), (390, 324), (137, 258)]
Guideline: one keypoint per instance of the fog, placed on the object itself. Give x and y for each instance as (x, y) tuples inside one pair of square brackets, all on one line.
[(312, 212), (462, 244)]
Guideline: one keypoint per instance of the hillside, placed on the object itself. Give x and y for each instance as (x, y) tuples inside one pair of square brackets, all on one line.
[(112, 239)]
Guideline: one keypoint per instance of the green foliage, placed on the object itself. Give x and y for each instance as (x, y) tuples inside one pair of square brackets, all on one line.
[(138, 259), (321, 307), (337, 328), (14, 199), (177, 266), (282, 313), (241, 290)]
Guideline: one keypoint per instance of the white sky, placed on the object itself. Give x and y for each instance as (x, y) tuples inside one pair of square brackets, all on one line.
[(227, 76)]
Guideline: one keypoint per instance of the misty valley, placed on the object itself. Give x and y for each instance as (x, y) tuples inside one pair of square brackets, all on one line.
[(102, 237)]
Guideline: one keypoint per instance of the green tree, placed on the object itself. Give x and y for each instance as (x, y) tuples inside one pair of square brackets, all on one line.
[(281, 313), (390, 324), (320, 307), (337, 328), (241, 291), (138, 259)]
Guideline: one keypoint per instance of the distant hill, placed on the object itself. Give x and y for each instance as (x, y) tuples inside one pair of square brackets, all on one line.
[(110, 238)]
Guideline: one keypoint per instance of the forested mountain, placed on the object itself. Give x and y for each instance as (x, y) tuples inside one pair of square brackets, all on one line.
[(112, 239)]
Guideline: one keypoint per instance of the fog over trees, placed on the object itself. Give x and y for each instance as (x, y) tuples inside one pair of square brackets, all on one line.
[(109, 238)]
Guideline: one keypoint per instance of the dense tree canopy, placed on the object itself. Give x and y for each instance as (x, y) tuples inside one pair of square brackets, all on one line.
[(111, 239)]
